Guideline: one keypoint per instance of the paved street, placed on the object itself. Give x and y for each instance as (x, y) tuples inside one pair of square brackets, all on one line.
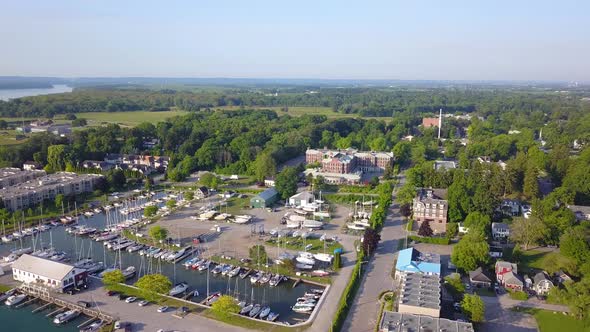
[(364, 312)]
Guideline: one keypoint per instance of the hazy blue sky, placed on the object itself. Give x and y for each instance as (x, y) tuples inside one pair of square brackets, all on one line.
[(410, 39)]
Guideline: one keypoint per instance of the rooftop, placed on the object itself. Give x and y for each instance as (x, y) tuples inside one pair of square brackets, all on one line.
[(499, 225), (444, 164), (420, 290), (56, 179), (268, 193), (398, 322), (411, 260), (43, 267)]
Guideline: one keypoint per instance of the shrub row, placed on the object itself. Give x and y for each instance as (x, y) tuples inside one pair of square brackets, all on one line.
[(380, 211), (347, 296), (431, 240)]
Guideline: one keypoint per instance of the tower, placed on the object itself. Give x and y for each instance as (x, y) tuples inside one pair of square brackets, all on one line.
[(439, 122)]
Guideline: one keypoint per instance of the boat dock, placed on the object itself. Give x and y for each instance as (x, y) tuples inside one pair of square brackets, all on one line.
[(185, 255), (43, 294)]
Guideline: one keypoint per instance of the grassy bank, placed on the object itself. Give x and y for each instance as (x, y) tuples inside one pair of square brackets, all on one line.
[(550, 321), (299, 244), (130, 119)]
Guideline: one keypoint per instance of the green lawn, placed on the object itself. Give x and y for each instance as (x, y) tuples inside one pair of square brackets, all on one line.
[(302, 110), (127, 118), (8, 137), (541, 260), (4, 288), (550, 321)]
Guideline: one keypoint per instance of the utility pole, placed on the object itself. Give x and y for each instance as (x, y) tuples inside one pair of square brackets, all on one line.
[(439, 122)]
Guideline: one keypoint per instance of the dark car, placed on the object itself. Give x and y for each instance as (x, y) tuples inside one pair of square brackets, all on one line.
[(112, 293), (83, 304), (122, 297), (184, 310)]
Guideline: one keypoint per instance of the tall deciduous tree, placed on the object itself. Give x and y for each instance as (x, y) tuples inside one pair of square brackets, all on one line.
[(425, 229), (530, 187), (472, 251), (371, 239), (527, 231), (56, 157), (286, 182), (151, 285), (112, 278), (473, 307), (158, 233), (225, 306), (264, 166)]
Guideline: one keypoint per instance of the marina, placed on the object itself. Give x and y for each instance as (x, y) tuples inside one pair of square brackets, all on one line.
[(274, 292)]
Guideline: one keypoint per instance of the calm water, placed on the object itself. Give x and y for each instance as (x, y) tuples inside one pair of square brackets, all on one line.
[(22, 320), (18, 93), (280, 298)]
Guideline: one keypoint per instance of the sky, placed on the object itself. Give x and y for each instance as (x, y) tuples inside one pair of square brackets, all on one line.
[(324, 39)]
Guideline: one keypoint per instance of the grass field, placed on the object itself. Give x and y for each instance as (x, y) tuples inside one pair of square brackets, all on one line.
[(541, 260), (129, 119), (302, 110), (550, 321), (8, 137)]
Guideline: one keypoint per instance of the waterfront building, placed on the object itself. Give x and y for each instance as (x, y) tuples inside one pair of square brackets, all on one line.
[(11, 176), (419, 294), (33, 192), (349, 160), (40, 271), (265, 198), (302, 199), (413, 261)]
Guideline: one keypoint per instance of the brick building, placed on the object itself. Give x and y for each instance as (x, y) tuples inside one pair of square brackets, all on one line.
[(428, 205)]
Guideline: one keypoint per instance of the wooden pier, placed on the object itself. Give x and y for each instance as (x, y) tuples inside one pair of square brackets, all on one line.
[(29, 301), (43, 307), (297, 282), (44, 294)]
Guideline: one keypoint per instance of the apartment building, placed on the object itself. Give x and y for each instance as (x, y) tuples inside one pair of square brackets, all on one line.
[(428, 205), (12, 176), (35, 191)]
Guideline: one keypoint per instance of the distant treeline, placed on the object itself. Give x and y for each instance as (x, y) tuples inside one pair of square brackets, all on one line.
[(371, 102)]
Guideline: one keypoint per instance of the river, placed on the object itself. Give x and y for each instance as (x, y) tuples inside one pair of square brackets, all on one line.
[(19, 93), (279, 298)]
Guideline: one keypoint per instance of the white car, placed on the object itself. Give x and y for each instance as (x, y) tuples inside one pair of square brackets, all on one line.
[(163, 309), (143, 303), (130, 299)]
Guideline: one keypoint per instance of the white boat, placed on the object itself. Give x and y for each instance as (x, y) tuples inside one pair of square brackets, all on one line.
[(312, 224), (319, 273), (321, 214), (255, 311), (323, 257), (242, 219), (222, 216), (129, 272), (178, 289), (97, 210), (356, 226), (302, 308), (264, 312), (93, 327), (7, 294), (207, 215), (204, 266), (293, 224), (255, 277), (234, 272), (15, 299), (305, 258), (303, 266), (7, 238), (245, 310), (66, 316)]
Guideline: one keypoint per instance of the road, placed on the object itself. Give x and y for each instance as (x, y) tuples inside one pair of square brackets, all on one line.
[(364, 311)]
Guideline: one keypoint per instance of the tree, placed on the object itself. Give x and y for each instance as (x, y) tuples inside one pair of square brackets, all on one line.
[(425, 229), (158, 233), (151, 285), (225, 306), (56, 157), (406, 194), (171, 203), (79, 122), (209, 180), (116, 179), (573, 244), (370, 241), (472, 251), (150, 211), (530, 187), (527, 231), (473, 307), (59, 200), (286, 182), (189, 195), (452, 229), (405, 210), (337, 261), (477, 220), (3, 124), (402, 151), (148, 183), (264, 166), (258, 255), (113, 278)]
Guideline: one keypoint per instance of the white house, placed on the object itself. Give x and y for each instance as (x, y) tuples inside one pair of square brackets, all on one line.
[(500, 230), (542, 283), (302, 199), (45, 272)]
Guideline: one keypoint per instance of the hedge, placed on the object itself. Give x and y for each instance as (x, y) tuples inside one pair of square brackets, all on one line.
[(347, 296), (431, 240)]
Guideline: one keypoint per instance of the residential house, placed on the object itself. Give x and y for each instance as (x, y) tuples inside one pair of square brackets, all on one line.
[(430, 122), (270, 182), (500, 230), (506, 274), (479, 279), (102, 166), (542, 283), (265, 198), (201, 192), (429, 206), (444, 164), (510, 207), (581, 212), (560, 277), (413, 261)]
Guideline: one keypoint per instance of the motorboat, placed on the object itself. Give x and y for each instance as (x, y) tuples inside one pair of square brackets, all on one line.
[(306, 299), (319, 273), (264, 312), (218, 269), (190, 262), (178, 289), (212, 298), (303, 266), (226, 269), (245, 310), (242, 219), (66, 316), (129, 272), (356, 226), (204, 266), (302, 309), (256, 277), (7, 294), (7, 238), (272, 316), (275, 280), (93, 327), (312, 224), (255, 311), (305, 258), (15, 299), (234, 272), (135, 247), (265, 278), (323, 257), (245, 273)]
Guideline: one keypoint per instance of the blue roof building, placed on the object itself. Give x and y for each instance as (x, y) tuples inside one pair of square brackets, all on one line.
[(412, 261)]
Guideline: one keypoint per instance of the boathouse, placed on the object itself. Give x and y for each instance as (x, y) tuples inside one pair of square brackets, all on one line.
[(40, 271), (265, 198)]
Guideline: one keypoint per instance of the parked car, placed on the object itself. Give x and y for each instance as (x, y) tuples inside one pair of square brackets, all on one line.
[(83, 304), (122, 297), (143, 303), (130, 299), (163, 309), (119, 325), (112, 293)]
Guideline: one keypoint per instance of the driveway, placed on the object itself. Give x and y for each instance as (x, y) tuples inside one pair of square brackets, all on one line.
[(499, 318), (364, 311)]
